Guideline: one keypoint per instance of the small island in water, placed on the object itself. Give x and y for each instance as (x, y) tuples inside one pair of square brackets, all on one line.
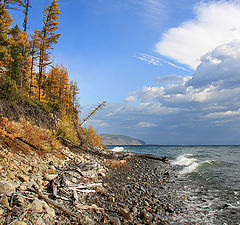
[(115, 139)]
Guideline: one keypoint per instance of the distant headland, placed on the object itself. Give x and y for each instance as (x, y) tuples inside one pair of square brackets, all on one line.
[(115, 139)]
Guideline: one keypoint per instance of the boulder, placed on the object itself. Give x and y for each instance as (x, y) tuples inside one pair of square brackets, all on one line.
[(50, 177), (6, 186), (4, 201), (37, 206), (114, 220)]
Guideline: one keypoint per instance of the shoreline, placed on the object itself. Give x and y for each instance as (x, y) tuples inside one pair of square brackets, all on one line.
[(89, 187), (143, 192)]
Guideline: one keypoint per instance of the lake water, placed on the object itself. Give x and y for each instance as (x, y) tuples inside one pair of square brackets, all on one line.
[(208, 178)]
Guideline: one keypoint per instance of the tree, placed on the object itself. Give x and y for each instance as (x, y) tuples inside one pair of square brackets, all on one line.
[(74, 97), (47, 38), (34, 53), (7, 4), (18, 67), (26, 6), (5, 23)]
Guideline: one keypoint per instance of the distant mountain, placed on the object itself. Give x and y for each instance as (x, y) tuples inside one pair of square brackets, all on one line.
[(115, 139)]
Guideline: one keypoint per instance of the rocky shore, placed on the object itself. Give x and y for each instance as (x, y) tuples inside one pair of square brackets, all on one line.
[(86, 187)]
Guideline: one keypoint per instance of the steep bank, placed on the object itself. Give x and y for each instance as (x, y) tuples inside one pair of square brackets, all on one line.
[(14, 110)]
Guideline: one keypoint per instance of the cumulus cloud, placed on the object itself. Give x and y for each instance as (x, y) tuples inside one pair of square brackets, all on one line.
[(169, 79), (203, 108), (220, 67), (199, 105), (215, 23)]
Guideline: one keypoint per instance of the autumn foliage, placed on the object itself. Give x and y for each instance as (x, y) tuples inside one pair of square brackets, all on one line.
[(28, 71)]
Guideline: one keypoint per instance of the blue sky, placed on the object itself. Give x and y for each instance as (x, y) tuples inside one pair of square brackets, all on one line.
[(169, 70)]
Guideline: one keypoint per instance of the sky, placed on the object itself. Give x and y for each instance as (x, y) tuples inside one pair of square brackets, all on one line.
[(169, 70)]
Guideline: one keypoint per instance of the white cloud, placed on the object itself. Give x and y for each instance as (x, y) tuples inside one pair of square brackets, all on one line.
[(98, 123), (225, 73), (203, 108), (213, 87), (228, 113), (146, 124), (130, 98), (215, 23), (149, 93), (157, 61)]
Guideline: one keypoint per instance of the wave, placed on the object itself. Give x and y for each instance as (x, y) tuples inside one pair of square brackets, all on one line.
[(182, 160), (118, 149), (189, 165)]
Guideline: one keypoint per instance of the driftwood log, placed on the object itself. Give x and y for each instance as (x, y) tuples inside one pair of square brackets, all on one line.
[(149, 156)]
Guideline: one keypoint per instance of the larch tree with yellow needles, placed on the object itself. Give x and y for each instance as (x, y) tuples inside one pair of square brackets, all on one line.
[(48, 37), (5, 23)]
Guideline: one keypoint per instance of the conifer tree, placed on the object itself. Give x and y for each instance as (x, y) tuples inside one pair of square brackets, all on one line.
[(5, 23), (26, 5), (47, 37), (11, 4), (34, 53), (18, 67)]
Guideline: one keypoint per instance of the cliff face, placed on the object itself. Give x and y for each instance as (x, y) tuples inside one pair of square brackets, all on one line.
[(114, 139)]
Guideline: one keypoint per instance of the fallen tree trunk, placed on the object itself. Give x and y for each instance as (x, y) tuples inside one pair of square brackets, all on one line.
[(67, 142), (22, 140), (149, 156)]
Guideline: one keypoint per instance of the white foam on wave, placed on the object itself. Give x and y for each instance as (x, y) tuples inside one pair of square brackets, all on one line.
[(190, 164), (189, 169), (182, 160), (118, 149), (211, 162)]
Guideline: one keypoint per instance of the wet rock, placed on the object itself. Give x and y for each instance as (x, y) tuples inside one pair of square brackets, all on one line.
[(6, 186)]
